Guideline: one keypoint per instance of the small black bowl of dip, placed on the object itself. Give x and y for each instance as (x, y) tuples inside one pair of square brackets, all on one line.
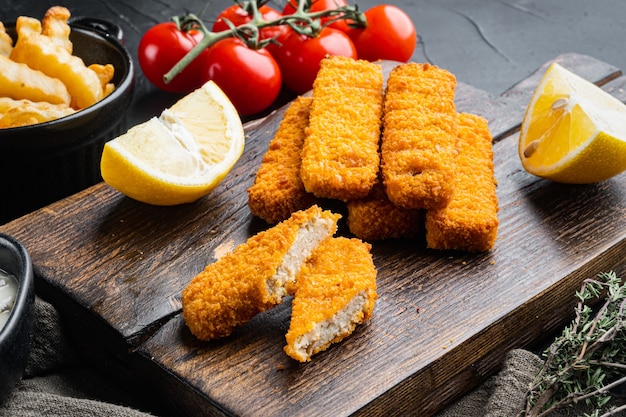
[(17, 312)]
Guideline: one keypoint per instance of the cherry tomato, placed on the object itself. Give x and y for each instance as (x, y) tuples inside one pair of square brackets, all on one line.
[(389, 34), (238, 16), (160, 48), (320, 6), (250, 78), (299, 56)]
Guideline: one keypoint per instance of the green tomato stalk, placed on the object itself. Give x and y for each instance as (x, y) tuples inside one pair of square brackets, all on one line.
[(301, 21)]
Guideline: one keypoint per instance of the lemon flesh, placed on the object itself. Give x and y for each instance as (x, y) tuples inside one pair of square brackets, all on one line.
[(180, 156), (573, 131)]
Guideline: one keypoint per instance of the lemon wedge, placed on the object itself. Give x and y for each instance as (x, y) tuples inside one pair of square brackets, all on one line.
[(573, 131), (180, 156)]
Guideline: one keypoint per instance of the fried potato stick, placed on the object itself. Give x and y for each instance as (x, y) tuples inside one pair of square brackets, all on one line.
[(255, 276), (54, 25), (340, 158), (40, 52), (16, 113), (18, 81), (105, 75), (278, 190), (470, 221), (6, 43), (335, 292), (418, 147)]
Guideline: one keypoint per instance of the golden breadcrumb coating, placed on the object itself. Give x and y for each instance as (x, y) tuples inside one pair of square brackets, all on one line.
[(255, 276), (278, 190), (470, 221), (335, 291), (340, 158), (418, 147), (377, 218)]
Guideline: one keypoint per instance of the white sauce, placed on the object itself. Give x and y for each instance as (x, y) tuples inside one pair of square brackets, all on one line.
[(8, 290)]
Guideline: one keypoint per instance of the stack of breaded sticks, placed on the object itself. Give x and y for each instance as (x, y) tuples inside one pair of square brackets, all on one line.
[(401, 157)]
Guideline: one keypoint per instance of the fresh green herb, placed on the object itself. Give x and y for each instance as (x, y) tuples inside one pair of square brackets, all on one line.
[(588, 359)]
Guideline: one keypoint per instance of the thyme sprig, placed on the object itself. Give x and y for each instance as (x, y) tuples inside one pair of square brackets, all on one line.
[(588, 359), (301, 21)]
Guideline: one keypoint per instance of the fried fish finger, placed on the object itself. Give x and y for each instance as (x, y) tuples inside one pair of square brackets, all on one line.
[(278, 190), (340, 158), (418, 147), (376, 218), (335, 292), (470, 221), (255, 276)]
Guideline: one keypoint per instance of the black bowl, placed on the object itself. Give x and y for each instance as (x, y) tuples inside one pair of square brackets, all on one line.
[(48, 161), (17, 333)]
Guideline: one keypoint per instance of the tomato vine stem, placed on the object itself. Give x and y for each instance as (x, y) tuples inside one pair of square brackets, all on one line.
[(301, 21)]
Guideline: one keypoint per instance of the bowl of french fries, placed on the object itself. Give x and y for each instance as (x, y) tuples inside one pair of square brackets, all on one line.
[(65, 88)]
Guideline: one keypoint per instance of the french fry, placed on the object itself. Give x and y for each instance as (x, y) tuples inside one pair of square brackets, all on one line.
[(105, 75), (40, 79), (18, 81), (16, 113), (54, 25), (42, 53), (6, 43)]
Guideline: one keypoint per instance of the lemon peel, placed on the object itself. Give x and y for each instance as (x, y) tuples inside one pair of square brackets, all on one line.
[(573, 131)]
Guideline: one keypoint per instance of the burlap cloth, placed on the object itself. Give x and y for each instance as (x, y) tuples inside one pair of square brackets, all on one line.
[(57, 382)]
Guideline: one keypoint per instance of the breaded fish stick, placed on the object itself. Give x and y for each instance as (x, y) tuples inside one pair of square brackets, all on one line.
[(418, 146), (255, 276), (470, 221), (340, 158), (335, 292), (278, 190), (376, 218)]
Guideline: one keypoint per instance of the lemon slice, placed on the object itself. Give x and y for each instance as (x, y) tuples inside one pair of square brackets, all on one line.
[(180, 156), (573, 131)]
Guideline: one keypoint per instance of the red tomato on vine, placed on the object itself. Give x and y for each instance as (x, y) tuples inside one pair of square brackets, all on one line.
[(250, 78), (389, 34), (160, 48), (300, 55)]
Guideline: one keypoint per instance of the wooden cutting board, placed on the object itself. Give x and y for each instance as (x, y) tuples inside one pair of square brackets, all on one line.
[(443, 322)]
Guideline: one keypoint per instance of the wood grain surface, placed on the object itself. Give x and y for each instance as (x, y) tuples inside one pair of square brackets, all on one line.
[(443, 322)]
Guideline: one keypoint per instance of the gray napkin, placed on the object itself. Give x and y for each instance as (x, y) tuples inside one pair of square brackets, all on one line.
[(57, 383)]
